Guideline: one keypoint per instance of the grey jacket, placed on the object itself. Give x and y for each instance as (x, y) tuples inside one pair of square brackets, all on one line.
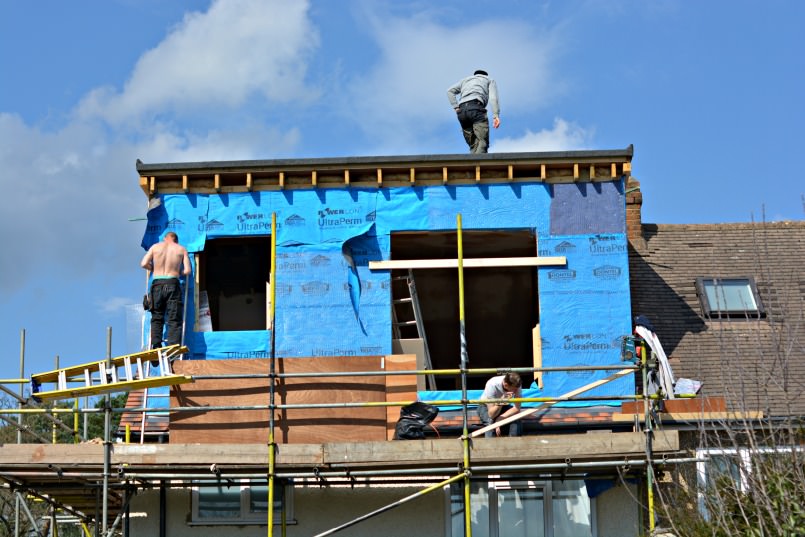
[(475, 87)]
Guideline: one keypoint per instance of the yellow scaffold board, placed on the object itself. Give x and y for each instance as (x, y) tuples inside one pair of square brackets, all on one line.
[(101, 377)]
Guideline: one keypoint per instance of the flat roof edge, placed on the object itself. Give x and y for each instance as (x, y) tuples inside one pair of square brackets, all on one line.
[(402, 160)]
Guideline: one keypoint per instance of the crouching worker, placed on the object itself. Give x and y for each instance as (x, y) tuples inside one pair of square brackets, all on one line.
[(501, 387)]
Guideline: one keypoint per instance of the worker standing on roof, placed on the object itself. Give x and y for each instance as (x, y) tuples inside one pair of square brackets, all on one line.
[(469, 98), (166, 260), (501, 387)]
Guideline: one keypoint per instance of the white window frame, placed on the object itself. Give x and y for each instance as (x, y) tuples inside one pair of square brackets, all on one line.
[(744, 455), (246, 516), (495, 485)]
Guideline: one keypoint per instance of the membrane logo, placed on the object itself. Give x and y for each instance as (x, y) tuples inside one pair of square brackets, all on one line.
[(562, 275), (283, 289), (154, 229), (603, 245), (371, 351), (371, 217), (385, 285), (211, 225), (175, 223), (291, 265), (251, 222), (320, 261), (315, 288), (564, 247), (607, 272), (585, 342), (294, 220), (339, 217)]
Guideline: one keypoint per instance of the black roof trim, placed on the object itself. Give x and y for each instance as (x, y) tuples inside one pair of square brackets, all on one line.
[(403, 160)]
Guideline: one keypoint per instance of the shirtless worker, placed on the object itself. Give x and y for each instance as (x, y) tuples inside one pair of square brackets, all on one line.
[(166, 260)]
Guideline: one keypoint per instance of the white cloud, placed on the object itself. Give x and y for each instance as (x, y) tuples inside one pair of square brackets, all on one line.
[(116, 304), (69, 193), (234, 51), (564, 136), (405, 94)]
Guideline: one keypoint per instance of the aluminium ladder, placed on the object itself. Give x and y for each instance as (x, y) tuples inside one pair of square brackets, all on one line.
[(412, 319), (96, 378)]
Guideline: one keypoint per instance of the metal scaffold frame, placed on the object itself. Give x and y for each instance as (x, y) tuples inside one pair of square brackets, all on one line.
[(436, 477)]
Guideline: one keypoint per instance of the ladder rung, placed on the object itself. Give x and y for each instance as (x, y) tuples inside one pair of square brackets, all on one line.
[(405, 323), (403, 301)]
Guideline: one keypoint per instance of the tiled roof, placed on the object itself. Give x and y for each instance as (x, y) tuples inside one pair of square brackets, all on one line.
[(754, 364)]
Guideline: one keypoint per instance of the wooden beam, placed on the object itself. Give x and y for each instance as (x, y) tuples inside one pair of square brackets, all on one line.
[(249, 184), (444, 175), (511, 172), (468, 263), (592, 171), (627, 168), (153, 187), (413, 175), (543, 172), (477, 174), (614, 170), (536, 342), (313, 178), (692, 416), (567, 396), (575, 172), (184, 184), (217, 185), (282, 180), (379, 177), (144, 186), (346, 177)]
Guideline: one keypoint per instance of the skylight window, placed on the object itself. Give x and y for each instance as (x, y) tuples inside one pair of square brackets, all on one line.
[(729, 298)]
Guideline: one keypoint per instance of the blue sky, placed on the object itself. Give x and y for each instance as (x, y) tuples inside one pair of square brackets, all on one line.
[(710, 93)]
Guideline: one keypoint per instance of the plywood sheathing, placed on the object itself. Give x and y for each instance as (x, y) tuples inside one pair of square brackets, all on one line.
[(291, 425)]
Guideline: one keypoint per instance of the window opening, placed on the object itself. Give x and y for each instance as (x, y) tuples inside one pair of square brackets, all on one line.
[(501, 304), (234, 274)]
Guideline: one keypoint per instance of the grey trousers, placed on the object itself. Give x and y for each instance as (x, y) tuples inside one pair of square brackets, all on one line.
[(474, 125), (515, 428)]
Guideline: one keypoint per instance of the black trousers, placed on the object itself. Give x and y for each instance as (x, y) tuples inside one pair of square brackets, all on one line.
[(166, 307)]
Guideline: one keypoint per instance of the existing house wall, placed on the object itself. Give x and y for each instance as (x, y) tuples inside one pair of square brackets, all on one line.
[(318, 509), (315, 510)]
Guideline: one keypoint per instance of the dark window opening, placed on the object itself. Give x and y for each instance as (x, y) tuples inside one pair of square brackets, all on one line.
[(729, 298), (500, 303), (235, 273)]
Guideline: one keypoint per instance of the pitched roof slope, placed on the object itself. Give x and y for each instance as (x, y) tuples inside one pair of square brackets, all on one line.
[(756, 364)]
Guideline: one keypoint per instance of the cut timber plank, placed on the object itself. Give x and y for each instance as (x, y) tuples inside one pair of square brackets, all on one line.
[(568, 395), (399, 387), (693, 416), (296, 425), (468, 263)]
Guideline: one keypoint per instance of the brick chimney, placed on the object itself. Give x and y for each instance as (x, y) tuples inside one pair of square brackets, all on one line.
[(634, 207)]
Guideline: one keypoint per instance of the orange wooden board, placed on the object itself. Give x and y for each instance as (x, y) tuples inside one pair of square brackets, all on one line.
[(316, 425)]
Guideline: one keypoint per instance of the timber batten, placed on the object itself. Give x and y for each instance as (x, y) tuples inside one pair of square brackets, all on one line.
[(384, 172)]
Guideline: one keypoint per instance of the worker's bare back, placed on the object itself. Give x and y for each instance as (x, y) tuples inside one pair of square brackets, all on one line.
[(167, 258)]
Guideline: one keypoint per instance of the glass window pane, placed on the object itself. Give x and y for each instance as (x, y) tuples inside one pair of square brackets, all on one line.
[(219, 502), (571, 509), (730, 295), (521, 513), (479, 502), (258, 498)]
